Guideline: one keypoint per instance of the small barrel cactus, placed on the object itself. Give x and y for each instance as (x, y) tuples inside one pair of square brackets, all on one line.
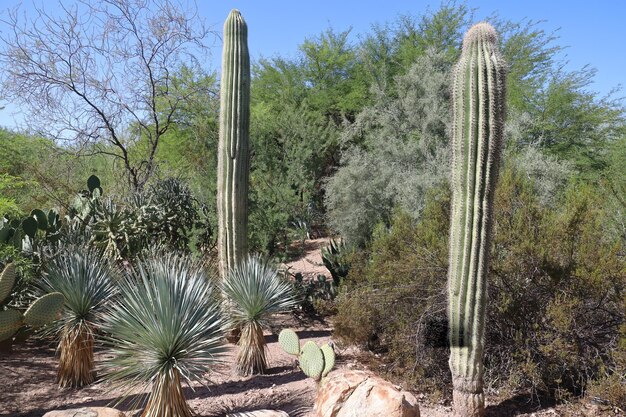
[(314, 361), (478, 106), (42, 311)]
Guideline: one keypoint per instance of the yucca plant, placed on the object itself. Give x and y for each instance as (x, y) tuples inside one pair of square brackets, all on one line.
[(84, 279), (166, 328), (255, 291)]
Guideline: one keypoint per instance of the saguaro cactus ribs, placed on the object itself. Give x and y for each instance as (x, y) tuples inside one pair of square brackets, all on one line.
[(233, 154), (478, 107)]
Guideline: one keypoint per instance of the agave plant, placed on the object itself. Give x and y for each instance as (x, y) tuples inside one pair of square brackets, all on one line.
[(254, 291), (166, 328), (84, 279)]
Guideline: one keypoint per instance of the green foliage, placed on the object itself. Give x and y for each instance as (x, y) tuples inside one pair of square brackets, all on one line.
[(165, 328), (400, 144), (552, 270), (336, 259), (613, 182), (556, 283), (394, 300), (550, 174), (9, 187)]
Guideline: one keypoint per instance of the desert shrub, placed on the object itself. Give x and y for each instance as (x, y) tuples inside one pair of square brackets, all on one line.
[(166, 215), (314, 296), (22, 293), (394, 296), (556, 288), (549, 174), (396, 144)]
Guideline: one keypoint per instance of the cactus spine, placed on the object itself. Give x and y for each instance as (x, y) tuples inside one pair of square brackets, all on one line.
[(233, 156), (478, 108)]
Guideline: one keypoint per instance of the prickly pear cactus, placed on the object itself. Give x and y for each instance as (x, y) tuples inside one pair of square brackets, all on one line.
[(43, 311), (10, 322), (7, 281), (314, 361), (233, 155), (478, 104), (289, 341), (329, 359)]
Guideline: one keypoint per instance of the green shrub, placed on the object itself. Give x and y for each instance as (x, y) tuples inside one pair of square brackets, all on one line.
[(394, 297), (556, 286)]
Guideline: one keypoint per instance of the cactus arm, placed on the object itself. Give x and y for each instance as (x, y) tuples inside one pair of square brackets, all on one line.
[(233, 152), (478, 107)]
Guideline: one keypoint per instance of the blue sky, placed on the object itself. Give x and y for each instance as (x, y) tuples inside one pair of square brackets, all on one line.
[(593, 32)]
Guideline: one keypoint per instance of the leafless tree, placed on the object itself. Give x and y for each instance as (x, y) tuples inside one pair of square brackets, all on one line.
[(99, 75)]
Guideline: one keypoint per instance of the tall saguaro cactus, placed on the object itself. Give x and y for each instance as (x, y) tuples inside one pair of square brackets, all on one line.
[(478, 107), (233, 153)]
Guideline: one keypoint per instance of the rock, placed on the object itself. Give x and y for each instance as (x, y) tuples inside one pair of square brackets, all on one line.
[(86, 412), (348, 393), (259, 413)]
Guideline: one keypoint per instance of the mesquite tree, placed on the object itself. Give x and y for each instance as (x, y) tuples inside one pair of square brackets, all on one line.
[(101, 76), (233, 156), (478, 108)]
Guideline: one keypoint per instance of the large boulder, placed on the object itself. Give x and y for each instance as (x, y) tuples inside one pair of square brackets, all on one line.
[(346, 393), (86, 412)]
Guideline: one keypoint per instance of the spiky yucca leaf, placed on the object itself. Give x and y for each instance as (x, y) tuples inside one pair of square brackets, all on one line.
[(166, 328), (255, 292), (84, 279)]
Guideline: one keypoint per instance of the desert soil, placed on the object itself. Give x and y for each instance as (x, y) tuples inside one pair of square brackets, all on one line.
[(28, 389)]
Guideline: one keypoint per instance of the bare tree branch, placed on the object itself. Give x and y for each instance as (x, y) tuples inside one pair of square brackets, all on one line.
[(102, 72)]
